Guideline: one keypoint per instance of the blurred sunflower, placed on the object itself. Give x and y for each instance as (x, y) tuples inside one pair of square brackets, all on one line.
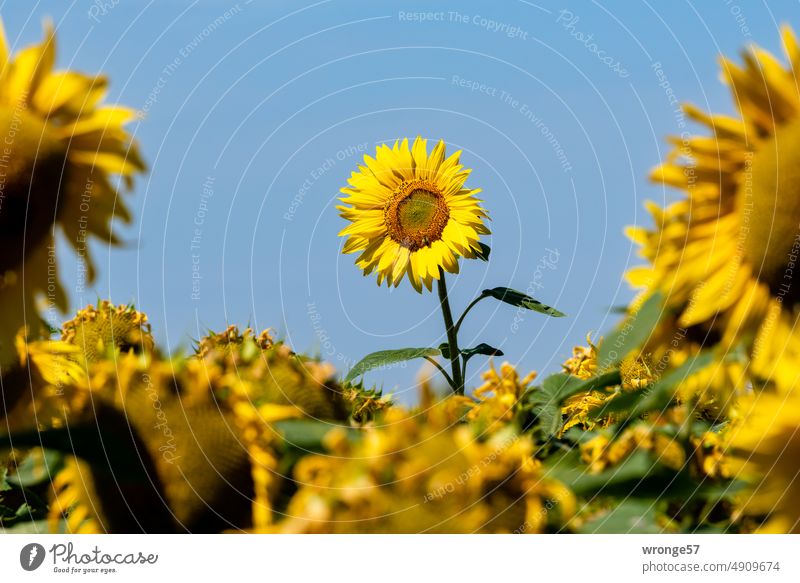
[(726, 254), (765, 448), (62, 147), (417, 472), (411, 214)]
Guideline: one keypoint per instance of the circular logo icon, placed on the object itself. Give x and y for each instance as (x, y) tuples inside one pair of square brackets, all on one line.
[(31, 556)]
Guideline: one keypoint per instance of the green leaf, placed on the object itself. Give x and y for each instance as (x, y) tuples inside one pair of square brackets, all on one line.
[(546, 401), (483, 349), (39, 466), (622, 478), (307, 434), (521, 300), (35, 527), (386, 357), (608, 379), (632, 333), (444, 349), (484, 252), (557, 388), (4, 485), (627, 516)]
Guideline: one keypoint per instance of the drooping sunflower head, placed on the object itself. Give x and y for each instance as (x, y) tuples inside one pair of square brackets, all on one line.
[(95, 331), (62, 154), (411, 214), (726, 255)]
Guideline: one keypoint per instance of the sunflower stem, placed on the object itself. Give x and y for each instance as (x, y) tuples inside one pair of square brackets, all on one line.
[(452, 336), (469, 307)]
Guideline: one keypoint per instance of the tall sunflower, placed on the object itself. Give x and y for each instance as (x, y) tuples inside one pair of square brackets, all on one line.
[(727, 255), (60, 149), (411, 214)]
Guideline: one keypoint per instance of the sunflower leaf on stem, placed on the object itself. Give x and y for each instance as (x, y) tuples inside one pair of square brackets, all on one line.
[(521, 300), (386, 357)]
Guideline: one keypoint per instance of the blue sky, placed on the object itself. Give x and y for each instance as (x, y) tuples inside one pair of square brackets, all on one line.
[(255, 113)]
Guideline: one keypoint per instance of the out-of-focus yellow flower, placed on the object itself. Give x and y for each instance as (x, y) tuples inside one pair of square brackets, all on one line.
[(601, 453), (231, 339), (500, 393), (205, 422), (417, 472), (63, 152), (578, 408), (637, 372), (583, 363), (95, 331), (724, 255), (73, 497), (765, 449), (54, 385), (710, 455)]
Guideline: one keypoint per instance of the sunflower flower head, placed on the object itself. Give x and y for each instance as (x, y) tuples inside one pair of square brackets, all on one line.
[(764, 449), (579, 408), (500, 393), (415, 472), (600, 452), (96, 330), (411, 214), (725, 254), (63, 150), (583, 362)]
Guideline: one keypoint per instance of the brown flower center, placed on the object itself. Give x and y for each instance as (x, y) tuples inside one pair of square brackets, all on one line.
[(31, 177), (770, 192), (416, 214)]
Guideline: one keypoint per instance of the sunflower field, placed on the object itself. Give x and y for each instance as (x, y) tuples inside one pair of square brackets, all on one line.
[(682, 418)]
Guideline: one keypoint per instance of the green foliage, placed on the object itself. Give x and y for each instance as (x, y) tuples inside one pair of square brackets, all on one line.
[(484, 252), (657, 397), (481, 348), (521, 300), (386, 357), (632, 333), (546, 400), (24, 481), (631, 515)]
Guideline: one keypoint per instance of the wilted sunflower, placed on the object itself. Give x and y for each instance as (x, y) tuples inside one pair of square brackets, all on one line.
[(411, 214), (726, 255), (61, 148)]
